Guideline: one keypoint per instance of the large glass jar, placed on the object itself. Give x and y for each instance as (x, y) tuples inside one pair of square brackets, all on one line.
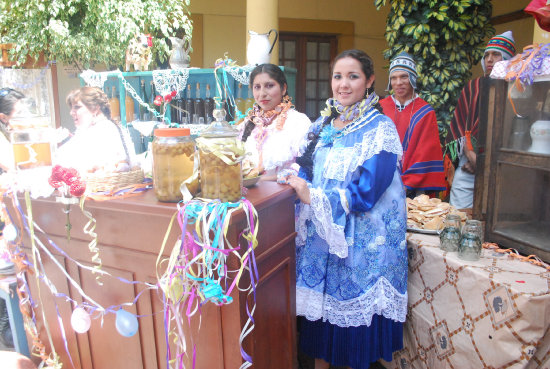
[(32, 147), (220, 156), (173, 163)]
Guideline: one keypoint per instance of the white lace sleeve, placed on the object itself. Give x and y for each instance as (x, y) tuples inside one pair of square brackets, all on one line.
[(321, 215), (282, 147)]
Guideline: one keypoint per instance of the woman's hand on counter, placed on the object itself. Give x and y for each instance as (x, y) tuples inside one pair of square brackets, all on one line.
[(300, 186)]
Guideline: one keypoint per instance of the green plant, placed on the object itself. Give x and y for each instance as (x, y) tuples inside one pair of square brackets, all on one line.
[(89, 31), (446, 38)]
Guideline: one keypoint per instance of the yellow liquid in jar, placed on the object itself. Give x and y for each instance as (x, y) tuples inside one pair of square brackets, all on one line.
[(219, 180), (172, 164), (31, 155)]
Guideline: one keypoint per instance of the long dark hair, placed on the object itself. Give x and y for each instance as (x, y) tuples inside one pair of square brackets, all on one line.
[(367, 66), (8, 98), (273, 72)]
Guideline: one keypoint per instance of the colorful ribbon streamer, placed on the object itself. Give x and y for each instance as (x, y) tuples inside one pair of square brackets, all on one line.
[(196, 271)]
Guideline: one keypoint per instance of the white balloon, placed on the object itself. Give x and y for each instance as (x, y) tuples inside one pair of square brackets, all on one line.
[(80, 320), (9, 233)]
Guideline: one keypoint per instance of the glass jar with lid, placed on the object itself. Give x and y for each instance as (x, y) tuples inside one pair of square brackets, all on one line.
[(220, 157), (32, 147), (173, 163)]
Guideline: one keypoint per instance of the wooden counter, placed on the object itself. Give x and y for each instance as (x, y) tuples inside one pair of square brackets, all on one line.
[(130, 233)]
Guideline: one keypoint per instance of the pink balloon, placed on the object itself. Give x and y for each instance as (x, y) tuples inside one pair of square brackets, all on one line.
[(80, 320)]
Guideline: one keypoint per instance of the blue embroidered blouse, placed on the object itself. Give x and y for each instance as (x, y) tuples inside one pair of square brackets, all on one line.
[(351, 247)]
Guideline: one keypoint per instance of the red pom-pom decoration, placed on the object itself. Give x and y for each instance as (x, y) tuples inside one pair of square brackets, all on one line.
[(54, 183), (77, 188), (68, 174), (71, 180), (168, 98), (173, 93), (62, 178), (57, 173), (158, 100)]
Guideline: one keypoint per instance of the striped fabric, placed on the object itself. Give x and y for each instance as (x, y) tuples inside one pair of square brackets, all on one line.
[(422, 163), (503, 43), (466, 118), (406, 63)]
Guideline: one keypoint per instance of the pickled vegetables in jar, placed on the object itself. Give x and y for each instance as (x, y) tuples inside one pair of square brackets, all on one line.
[(220, 157), (32, 147), (173, 163)]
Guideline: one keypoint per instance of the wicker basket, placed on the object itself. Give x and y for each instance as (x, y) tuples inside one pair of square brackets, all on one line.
[(113, 181)]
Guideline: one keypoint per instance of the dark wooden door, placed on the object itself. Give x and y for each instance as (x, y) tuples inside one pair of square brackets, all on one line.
[(311, 56)]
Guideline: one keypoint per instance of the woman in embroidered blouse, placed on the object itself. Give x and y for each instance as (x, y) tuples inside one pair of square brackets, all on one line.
[(351, 275), (274, 132), (98, 144)]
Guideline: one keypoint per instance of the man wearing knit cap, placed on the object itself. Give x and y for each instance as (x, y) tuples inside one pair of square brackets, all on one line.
[(461, 142), (416, 123)]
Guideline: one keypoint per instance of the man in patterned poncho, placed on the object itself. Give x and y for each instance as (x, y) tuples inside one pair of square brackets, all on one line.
[(461, 143), (416, 123)]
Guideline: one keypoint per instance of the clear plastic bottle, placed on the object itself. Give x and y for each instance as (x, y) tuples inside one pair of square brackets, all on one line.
[(173, 163), (129, 108), (198, 106), (189, 106), (115, 105)]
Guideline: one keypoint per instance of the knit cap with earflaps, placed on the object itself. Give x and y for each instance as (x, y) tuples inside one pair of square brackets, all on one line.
[(504, 44), (404, 62)]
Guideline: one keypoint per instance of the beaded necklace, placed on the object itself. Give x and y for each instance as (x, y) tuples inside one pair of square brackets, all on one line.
[(263, 119), (350, 112), (355, 111)]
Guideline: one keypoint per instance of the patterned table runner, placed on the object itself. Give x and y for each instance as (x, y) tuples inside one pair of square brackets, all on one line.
[(491, 313)]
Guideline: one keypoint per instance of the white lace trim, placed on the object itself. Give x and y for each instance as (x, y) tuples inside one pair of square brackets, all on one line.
[(343, 160), (321, 215), (382, 299), (344, 200)]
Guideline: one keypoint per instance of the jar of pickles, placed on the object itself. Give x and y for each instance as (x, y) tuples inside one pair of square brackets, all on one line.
[(32, 147), (220, 156), (173, 163)]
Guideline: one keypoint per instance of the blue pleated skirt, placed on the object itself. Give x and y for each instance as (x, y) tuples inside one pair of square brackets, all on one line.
[(356, 347)]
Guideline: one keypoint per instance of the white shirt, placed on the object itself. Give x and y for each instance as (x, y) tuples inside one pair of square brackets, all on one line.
[(281, 147), (97, 147)]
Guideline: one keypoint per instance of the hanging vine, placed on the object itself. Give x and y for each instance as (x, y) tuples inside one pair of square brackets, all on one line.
[(446, 39)]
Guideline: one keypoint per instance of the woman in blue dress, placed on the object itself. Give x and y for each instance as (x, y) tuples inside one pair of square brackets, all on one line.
[(351, 266)]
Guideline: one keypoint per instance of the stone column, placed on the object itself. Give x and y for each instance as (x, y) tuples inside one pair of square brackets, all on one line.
[(261, 16)]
